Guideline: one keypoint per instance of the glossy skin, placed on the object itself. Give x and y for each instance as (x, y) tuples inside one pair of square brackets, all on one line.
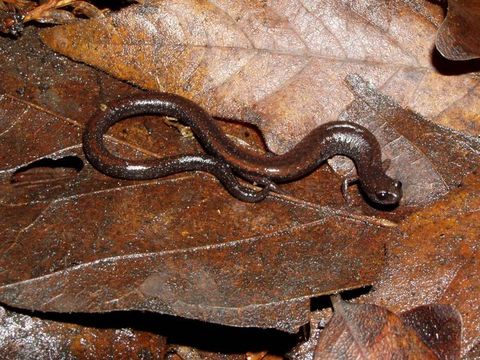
[(226, 158)]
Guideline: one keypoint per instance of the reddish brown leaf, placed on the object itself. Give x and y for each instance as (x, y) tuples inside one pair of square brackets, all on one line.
[(459, 34), (438, 326), (437, 260), (179, 245), (368, 332), (400, 142), (430, 160), (29, 70), (26, 337), (57, 191), (277, 64)]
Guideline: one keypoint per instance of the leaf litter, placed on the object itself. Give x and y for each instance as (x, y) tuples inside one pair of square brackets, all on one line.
[(419, 86)]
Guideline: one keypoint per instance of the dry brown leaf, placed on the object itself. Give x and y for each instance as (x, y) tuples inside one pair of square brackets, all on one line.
[(459, 34), (429, 159), (437, 260), (179, 245), (438, 326), (28, 337), (278, 64), (77, 100), (365, 331)]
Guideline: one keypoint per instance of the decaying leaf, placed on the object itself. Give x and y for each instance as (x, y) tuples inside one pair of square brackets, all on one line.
[(438, 326), (458, 37), (178, 245), (437, 260), (26, 337), (75, 240), (429, 159), (365, 331), (278, 64), (406, 139)]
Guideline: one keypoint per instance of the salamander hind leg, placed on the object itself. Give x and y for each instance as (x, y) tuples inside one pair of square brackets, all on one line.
[(247, 194), (224, 173), (243, 192), (263, 181)]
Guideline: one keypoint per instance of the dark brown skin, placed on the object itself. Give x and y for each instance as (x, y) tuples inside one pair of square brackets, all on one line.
[(226, 158)]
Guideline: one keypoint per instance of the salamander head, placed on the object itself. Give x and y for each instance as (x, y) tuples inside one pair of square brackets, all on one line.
[(383, 190)]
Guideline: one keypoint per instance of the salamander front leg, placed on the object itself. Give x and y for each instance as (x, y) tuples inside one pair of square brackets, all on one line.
[(348, 181)]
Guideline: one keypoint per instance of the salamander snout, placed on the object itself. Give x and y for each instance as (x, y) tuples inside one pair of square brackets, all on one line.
[(390, 193)]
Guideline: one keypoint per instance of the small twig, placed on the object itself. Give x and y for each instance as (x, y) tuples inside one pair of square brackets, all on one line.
[(23, 11)]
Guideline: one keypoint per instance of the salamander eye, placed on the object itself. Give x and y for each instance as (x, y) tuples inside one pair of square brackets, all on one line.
[(397, 184), (382, 195)]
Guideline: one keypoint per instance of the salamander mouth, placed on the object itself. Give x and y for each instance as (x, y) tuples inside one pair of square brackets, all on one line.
[(387, 198)]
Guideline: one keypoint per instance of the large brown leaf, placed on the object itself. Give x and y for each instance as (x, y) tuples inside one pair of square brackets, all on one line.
[(437, 260), (434, 259), (179, 245), (277, 64)]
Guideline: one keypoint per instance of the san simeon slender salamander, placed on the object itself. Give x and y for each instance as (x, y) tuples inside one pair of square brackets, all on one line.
[(224, 158)]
